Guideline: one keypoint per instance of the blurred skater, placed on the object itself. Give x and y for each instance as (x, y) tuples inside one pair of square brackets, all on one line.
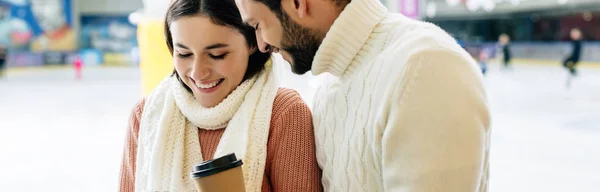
[(504, 41), (78, 65), (483, 59), (571, 61), (2, 60)]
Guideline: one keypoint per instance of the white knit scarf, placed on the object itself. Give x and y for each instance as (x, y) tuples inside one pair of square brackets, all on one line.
[(168, 145)]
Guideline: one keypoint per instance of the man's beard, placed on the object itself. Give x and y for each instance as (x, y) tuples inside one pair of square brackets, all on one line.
[(300, 42)]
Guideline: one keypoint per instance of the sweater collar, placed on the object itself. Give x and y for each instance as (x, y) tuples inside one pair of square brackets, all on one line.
[(347, 35)]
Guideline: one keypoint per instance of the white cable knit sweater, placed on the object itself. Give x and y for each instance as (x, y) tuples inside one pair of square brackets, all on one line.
[(402, 107)]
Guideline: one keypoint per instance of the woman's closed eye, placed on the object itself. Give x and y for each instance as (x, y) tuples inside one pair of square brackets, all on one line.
[(217, 57), (183, 55)]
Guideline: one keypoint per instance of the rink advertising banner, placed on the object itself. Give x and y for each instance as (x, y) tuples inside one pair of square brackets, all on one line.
[(108, 33), (25, 59), (56, 58), (40, 25), (113, 36)]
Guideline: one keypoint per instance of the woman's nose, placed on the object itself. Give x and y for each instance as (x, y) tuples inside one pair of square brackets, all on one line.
[(200, 72)]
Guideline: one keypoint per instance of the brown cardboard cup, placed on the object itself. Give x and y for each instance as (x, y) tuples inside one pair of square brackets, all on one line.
[(221, 174)]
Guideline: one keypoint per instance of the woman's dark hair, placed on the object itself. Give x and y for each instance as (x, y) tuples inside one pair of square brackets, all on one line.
[(221, 12)]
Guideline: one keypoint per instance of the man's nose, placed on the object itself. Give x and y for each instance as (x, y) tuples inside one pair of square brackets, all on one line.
[(262, 45)]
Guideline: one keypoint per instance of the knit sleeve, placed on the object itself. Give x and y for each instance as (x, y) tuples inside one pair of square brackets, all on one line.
[(127, 175), (437, 129), (291, 161)]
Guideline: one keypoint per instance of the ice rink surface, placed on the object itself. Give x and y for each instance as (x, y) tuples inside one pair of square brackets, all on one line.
[(61, 134)]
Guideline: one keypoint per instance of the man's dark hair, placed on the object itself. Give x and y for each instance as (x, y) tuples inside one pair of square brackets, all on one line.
[(221, 12), (275, 5)]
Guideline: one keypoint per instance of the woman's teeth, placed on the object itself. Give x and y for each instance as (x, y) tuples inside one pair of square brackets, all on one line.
[(208, 86)]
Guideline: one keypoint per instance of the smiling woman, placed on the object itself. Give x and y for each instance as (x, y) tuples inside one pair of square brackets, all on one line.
[(220, 82), (212, 63), (222, 47)]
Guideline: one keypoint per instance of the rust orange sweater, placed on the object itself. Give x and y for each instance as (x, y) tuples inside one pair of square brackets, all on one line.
[(291, 163)]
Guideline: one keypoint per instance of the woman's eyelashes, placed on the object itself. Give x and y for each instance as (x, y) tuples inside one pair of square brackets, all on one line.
[(218, 57), (212, 56), (183, 55)]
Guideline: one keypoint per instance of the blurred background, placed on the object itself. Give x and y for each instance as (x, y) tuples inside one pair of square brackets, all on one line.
[(75, 68)]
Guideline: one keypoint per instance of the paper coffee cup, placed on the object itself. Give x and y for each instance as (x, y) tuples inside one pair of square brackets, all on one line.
[(221, 174)]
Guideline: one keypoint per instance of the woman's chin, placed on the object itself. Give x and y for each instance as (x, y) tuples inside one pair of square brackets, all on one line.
[(208, 102)]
